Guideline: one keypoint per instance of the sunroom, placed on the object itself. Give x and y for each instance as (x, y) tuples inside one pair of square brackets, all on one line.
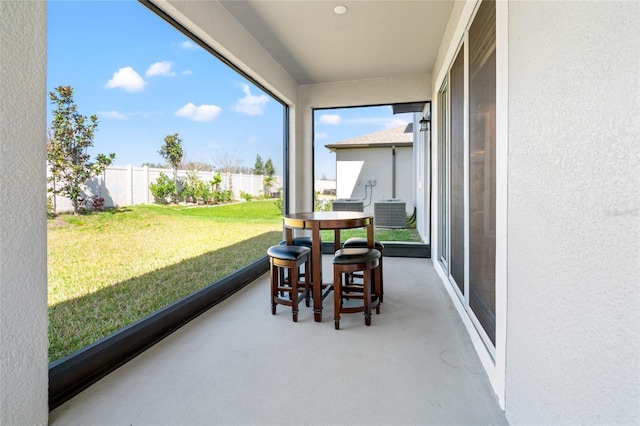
[(525, 189)]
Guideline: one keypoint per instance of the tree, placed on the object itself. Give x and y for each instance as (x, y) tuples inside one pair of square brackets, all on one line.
[(67, 157), (269, 170), (198, 165), (172, 152), (267, 183), (153, 165), (258, 169), (227, 162)]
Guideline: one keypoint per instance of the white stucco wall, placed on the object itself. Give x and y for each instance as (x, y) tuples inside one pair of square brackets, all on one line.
[(23, 233), (355, 167), (573, 330)]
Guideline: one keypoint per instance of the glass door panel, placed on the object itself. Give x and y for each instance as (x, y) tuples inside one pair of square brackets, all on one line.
[(456, 170), (482, 166), (443, 172)]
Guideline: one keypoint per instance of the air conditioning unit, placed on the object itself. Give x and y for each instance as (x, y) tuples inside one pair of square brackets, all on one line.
[(348, 205), (390, 213)]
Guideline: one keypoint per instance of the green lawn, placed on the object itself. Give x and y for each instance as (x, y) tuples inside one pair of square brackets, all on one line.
[(110, 269)]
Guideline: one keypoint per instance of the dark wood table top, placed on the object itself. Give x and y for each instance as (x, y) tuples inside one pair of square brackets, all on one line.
[(328, 220)]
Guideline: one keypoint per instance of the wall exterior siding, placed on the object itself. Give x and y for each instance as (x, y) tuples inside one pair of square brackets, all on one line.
[(573, 332), (23, 232)]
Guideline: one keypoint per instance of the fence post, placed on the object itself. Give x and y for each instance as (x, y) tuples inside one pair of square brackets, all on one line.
[(146, 184), (129, 185)]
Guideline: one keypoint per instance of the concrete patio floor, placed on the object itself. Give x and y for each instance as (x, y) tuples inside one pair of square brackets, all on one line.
[(238, 365)]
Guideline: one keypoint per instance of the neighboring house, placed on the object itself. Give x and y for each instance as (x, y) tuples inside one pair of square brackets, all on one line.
[(376, 166), (551, 87)]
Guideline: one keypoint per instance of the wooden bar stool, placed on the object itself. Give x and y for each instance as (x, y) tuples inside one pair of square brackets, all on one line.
[(357, 242), (349, 260), (288, 257), (303, 242)]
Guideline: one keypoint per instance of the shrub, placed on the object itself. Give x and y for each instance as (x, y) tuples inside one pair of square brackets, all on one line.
[(227, 195), (97, 203), (278, 203), (51, 213), (162, 188), (246, 196)]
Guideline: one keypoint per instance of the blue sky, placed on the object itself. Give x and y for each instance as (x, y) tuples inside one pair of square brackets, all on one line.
[(146, 80)]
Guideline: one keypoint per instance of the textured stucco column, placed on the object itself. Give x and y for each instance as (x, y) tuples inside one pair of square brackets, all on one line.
[(573, 330), (23, 233)]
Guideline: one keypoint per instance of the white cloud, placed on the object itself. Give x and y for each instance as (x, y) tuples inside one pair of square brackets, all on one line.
[(115, 115), (321, 136), (160, 68), (330, 119), (187, 72), (396, 122), (188, 45), (199, 113), (251, 105), (127, 79)]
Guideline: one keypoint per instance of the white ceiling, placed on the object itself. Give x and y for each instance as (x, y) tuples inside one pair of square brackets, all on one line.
[(373, 39)]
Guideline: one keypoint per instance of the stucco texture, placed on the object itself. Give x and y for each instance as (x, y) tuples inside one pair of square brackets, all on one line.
[(23, 274), (573, 330)]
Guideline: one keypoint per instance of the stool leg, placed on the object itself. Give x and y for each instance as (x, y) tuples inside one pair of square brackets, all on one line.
[(294, 292), (307, 279), (381, 276), (367, 296), (337, 296), (378, 285), (274, 287)]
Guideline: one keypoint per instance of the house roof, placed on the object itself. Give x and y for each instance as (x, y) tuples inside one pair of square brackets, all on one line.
[(398, 136)]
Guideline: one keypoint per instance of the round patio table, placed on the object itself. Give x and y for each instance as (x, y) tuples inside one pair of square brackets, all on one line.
[(316, 222)]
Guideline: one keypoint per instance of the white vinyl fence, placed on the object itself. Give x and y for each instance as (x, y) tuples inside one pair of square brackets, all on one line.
[(128, 185)]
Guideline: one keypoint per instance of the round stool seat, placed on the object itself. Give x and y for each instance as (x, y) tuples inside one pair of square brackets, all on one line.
[(299, 241), (289, 258), (347, 256), (361, 242), (285, 252)]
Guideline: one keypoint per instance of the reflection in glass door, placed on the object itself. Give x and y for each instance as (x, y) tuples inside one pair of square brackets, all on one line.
[(482, 166), (443, 191), (457, 170)]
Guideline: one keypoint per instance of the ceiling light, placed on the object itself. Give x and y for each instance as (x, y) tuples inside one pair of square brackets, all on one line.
[(340, 10)]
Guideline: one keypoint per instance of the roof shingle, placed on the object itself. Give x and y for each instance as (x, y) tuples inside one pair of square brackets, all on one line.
[(398, 136)]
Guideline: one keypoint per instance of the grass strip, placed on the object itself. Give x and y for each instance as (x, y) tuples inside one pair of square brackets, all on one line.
[(110, 269)]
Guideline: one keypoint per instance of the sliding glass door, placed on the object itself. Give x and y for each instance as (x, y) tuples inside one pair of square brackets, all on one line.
[(467, 172)]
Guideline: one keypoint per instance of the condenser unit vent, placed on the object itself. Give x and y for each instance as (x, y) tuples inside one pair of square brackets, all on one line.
[(390, 213), (348, 205)]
